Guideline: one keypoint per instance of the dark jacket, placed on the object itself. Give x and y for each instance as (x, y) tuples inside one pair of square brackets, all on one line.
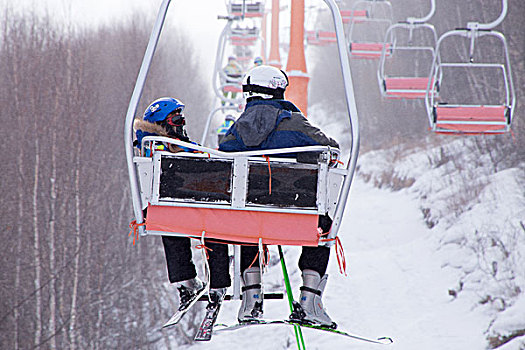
[(269, 124)]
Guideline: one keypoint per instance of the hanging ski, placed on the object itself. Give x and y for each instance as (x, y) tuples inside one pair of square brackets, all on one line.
[(212, 311)]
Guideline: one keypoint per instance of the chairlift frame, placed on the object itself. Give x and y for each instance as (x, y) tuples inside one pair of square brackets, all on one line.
[(142, 173), (472, 118), (403, 86), (369, 49)]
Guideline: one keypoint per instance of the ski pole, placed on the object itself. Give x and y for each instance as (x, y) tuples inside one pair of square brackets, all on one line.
[(297, 328)]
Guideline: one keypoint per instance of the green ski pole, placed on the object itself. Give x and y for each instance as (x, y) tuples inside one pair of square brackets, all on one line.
[(297, 328)]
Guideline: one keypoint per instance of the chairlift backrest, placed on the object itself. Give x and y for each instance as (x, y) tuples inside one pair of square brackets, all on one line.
[(241, 185)]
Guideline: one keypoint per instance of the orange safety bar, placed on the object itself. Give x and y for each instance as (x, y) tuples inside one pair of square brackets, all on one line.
[(244, 226)]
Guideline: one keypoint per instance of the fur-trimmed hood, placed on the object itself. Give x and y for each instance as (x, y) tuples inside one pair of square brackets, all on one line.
[(151, 128), (144, 128)]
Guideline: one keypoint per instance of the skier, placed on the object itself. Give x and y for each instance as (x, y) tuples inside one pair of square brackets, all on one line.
[(270, 121), (231, 74), (224, 127), (257, 61), (164, 117)]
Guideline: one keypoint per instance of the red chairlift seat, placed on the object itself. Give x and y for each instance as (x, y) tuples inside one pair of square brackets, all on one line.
[(327, 37), (377, 16), (235, 226), (471, 119), (403, 87), (353, 15), (312, 38), (243, 42), (231, 88), (369, 50)]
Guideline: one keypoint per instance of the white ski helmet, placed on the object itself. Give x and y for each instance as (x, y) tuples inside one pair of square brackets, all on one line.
[(264, 82)]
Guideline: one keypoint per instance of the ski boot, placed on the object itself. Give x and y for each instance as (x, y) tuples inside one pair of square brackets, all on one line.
[(251, 309), (189, 291), (216, 297), (310, 309)]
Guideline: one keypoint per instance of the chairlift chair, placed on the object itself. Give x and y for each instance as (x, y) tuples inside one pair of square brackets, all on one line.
[(365, 36), (350, 16), (320, 37), (225, 196), (222, 83), (409, 42), (312, 38), (247, 9), (474, 117)]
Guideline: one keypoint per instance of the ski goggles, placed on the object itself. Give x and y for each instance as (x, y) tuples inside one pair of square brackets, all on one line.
[(176, 118)]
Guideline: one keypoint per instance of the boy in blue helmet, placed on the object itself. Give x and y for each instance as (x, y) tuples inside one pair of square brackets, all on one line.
[(164, 117), (269, 122)]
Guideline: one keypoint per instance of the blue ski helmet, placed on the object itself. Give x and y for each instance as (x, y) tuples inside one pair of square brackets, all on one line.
[(159, 109)]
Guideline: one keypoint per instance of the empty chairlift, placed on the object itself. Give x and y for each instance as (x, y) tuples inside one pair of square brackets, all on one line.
[(404, 70), (366, 33), (476, 88)]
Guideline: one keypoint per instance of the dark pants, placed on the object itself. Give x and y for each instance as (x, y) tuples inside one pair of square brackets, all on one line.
[(312, 258), (180, 263), (181, 267)]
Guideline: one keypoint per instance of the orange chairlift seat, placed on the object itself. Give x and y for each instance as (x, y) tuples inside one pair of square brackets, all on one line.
[(350, 16), (237, 197), (365, 36), (244, 36), (480, 117), (320, 37), (413, 45)]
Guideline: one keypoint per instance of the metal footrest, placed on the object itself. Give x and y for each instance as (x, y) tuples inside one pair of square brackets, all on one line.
[(267, 296)]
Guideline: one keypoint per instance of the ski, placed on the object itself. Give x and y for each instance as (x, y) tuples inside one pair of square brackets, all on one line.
[(182, 310), (221, 327), (382, 340), (212, 311)]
